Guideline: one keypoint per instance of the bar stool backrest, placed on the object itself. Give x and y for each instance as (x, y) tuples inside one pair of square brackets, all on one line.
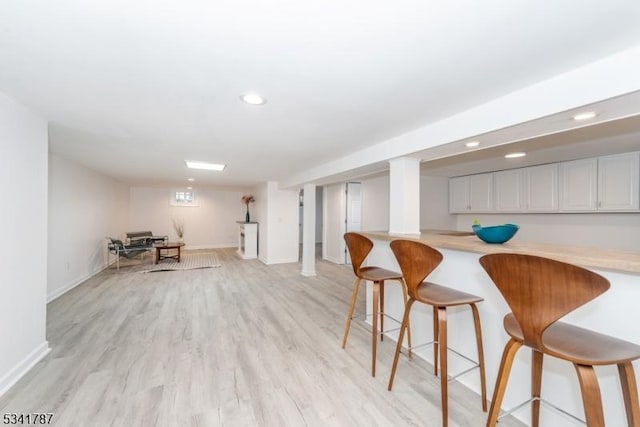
[(540, 291), (416, 261), (359, 247)]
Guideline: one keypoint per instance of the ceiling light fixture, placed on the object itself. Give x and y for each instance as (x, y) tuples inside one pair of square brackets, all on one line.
[(253, 99), (514, 155), (584, 116), (204, 165), (472, 144), (189, 188), (190, 179)]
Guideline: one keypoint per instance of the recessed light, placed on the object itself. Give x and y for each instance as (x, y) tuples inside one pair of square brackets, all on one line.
[(189, 188), (190, 179), (584, 116), (472, 144), (253, 99), (204, 165), (514, 155)]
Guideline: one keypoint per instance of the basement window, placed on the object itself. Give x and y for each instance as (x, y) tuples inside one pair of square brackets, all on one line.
[(183, 198)]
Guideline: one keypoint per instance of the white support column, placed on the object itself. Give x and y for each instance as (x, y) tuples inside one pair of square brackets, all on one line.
[(309, 231), (404, 196)]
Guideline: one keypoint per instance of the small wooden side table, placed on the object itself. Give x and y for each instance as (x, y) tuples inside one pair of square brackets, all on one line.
[(166, 247)]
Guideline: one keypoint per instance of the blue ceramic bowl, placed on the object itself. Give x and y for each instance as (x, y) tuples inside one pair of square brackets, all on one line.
[(496, 233)]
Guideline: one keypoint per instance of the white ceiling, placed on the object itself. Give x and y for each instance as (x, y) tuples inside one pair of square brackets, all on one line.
[(614, 137), (132, 89)]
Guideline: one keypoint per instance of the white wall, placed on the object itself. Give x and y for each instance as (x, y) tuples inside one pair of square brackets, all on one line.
[(608, 230), (319, 217), (319, 214), (334, 216), (278, 229), (211, 224), (434, 204), (375, 203), (260, 214), (84, 207), (23, 276)]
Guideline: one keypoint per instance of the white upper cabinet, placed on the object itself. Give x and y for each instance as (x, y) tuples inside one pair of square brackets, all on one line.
[(481, 192), (618, 178), (608, 183), (470, 194), (578, 185), (509, 186), (601, 184), (459, 195), (541, 188)]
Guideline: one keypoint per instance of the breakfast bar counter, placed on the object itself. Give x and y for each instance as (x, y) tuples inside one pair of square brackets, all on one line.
[(614, 313), (592, 258)]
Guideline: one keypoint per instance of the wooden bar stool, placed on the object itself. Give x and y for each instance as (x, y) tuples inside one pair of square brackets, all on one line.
[(359, 247), (417, 261), (540, 291)]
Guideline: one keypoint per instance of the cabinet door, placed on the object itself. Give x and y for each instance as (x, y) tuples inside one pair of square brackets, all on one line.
[(459, 195), (578, 184), (541, 188), (481, 192), (618, 182), (508, 190)]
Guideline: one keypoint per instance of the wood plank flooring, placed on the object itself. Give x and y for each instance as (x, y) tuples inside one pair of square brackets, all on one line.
[(241, 345)]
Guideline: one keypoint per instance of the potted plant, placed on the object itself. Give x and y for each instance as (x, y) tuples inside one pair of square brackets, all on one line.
[(246, 199), (178, 227)]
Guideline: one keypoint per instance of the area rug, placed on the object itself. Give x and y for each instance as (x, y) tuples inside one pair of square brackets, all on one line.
[(187, 262)]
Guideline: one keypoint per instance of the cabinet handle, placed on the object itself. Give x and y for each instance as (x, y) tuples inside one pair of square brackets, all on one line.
[(599, 204)]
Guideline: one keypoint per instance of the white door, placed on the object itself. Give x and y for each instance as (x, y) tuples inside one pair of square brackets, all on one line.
[(354, 211), (334, 223)]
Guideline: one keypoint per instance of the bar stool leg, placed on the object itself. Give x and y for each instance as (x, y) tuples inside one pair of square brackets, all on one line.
[(630, 393), (591, 398), (483, 381), (405, 324), (374, 329), (435, 340), (382, 310), (354, 297), (508, 355), (536, 386), (444, 379), (405, 298)]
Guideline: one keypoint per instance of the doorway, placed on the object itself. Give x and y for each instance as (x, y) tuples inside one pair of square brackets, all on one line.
[(353, 214)]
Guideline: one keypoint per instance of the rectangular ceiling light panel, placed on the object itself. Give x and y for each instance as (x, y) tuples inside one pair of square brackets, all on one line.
[(205, 165)]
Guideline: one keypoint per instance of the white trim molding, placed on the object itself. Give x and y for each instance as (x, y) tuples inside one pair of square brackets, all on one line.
[(19, 370)]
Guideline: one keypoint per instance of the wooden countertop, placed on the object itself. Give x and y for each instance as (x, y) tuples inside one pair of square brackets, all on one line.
[(606, 259)]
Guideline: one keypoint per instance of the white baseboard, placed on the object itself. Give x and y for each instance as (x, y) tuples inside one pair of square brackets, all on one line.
[(334, 260), (13, 376), (279, 261), (219, 246), (66, 288), (307, 273)]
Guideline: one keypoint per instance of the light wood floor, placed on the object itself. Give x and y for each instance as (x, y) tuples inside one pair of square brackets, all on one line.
[(240, 345)]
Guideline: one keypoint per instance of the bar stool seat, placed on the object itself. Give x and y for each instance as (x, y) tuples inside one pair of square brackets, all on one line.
[(375, 274), (443, 296), (579, 345), (417, 261), (359, 247), (539, 292)]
